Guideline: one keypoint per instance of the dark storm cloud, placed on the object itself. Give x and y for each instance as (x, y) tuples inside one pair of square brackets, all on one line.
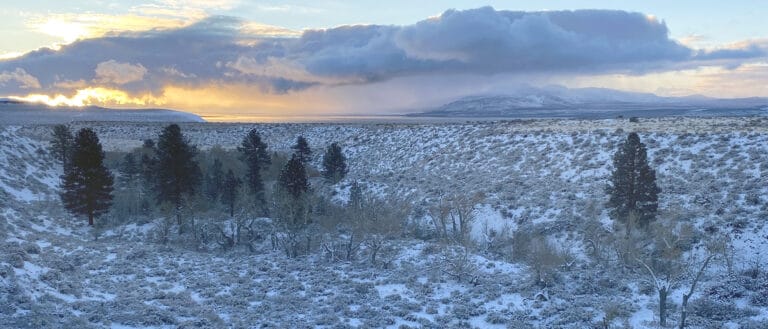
[(479, 41)]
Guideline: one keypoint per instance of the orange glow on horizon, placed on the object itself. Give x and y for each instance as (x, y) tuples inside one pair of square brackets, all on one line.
[(90, 96), (210, 101)]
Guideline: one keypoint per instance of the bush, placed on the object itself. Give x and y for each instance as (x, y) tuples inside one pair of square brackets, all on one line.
[(718, 311)]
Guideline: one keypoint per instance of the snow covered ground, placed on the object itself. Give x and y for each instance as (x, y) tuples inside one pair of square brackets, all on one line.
[(549, 174)]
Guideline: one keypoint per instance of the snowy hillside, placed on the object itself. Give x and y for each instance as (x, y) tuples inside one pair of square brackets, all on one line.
[(593, 103), (545, 175), (18, 113)]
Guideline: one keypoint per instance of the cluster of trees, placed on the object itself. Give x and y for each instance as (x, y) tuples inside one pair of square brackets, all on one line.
[(169, 174)]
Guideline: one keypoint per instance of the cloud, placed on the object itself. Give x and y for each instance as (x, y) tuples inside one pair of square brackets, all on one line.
[(71, 27), (739, 50), (113, 72), (195, 9), (272, 67), (490, 41), (229, 52), (23, 79)]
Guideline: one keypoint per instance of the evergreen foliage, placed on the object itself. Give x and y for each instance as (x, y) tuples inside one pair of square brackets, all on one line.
[(293, 178), (230, 186), (634, 194), (177, 174), (87, 184), (254, 153), (302, 150), (62, 143), (334, 164)]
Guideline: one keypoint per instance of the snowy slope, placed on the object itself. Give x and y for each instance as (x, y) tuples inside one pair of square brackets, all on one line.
[(27, 175), (551, 173), (558, 101), (16, 113)]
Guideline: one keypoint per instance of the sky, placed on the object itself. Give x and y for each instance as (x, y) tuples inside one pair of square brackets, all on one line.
[(237, 57)]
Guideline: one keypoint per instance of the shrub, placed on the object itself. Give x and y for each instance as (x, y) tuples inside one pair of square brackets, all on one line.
[(718, 311)]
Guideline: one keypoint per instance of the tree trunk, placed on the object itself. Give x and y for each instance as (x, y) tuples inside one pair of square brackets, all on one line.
[(178, 218), (693, 287), (453, 227), (374, 250), (90, 218), (663, 306), (683, 314)]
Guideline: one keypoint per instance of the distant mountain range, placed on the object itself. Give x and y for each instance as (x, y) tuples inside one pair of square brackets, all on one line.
[(17, 112), (562, 102)]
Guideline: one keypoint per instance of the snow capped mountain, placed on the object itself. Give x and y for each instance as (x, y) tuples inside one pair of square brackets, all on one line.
[(16, 112), (558, 101)]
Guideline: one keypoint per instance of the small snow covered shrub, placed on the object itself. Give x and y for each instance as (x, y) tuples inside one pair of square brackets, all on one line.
[(456, 263), (754, 324), (726, 291), (718, 311)]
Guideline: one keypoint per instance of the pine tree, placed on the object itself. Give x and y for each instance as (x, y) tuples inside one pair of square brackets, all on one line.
[(178, 174), (87, 184), (213, 180), (334, 164), (62, 144), (302, 150), (634, 195), (229, 191), (254, 153), (293, 206), (293, 178)]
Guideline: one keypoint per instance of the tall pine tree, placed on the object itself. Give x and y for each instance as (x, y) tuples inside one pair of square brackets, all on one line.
[(334, 164), (253, 152), (293, 178), (634, 194), (293, 205), (178, 174), (302, 150), (87, 184)]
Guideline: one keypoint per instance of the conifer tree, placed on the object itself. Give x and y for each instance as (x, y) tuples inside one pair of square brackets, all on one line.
[(253, 152), (293, 178), (634, 194), (87, 184), (302, 150), (334, 164), (293, 206), (62, 144), (229, 191), (178, 174)]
